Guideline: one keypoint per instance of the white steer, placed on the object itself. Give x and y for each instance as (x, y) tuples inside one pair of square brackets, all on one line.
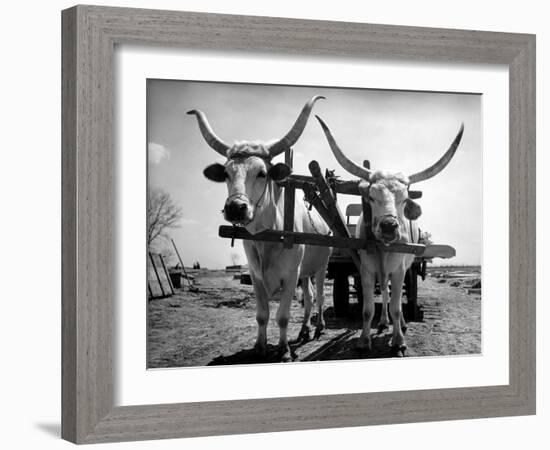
[(256, 201), (393, 216)]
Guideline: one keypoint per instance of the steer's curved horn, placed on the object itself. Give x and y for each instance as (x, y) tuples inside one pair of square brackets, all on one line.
[(441, 164), (345, 162), (209, 136), (296, 131)]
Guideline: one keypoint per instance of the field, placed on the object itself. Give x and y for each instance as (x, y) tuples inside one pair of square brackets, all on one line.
[(217, 324)]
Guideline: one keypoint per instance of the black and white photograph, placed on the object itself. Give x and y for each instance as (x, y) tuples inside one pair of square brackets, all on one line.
[(274, 225), (311, 223)]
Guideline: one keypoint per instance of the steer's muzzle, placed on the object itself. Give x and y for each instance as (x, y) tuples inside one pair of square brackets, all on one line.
[(238, 212), (387, 230)]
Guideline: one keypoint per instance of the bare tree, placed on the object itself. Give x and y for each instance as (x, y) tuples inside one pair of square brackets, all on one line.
[(162, 214)]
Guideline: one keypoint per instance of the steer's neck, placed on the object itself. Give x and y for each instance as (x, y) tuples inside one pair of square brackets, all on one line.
[(269, 215)]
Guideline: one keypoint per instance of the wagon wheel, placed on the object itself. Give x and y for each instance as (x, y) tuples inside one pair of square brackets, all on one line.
[(340, 294), (411, 289)]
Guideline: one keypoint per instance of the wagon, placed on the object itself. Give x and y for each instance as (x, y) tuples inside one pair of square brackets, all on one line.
[(341, 268), (321, 192)]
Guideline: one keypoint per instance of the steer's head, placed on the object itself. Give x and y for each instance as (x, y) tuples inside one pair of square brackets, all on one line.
[(248, 169), (387, 193)]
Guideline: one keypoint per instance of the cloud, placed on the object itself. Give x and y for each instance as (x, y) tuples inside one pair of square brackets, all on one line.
[(157, 153)]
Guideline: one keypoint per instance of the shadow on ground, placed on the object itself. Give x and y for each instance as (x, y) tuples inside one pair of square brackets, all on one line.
[(340, 347)]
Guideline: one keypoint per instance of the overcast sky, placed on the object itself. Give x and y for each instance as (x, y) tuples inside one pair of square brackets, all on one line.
[(396, 130)]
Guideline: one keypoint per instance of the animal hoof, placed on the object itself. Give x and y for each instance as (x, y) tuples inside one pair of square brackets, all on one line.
[(363, 346), (399, 351), (382, 327), (260, 349), (304, 335), (284, 354), (404, 328)]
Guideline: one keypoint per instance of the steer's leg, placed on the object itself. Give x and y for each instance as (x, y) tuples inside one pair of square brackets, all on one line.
[(367, 282), (403, 323), (308, 302), (384, 322), (398, 340), (262, 315), (283, 314), (320, 298)]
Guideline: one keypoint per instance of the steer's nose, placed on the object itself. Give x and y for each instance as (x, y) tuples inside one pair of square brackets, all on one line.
[(388, 225), (236, 210)]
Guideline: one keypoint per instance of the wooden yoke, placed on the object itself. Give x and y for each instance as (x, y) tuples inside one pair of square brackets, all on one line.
[(322, 196)]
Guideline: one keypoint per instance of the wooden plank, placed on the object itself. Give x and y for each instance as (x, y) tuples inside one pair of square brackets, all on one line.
[(153, 283), (156, 273), (162, 274), (226, 231), (347, 187), (354, 210), (296, 182), (339, 225), (288, 220), (350, 187), (439, 251), (167, 276)]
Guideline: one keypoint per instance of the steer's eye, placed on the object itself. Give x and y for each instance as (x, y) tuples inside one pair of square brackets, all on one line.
[(261, 174), (371, 199)]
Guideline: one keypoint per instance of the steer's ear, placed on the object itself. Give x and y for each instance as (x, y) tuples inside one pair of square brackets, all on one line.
[(412, 209), (215, 172), (279, 172)]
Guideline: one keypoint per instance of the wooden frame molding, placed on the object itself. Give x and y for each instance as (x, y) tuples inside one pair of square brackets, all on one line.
[(89, 37)]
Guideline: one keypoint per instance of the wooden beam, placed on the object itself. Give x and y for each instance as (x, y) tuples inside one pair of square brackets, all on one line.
[(226, 231), (337, 217), (288, 220), (350, 187), (347, 187), (157, 274), (339, 226)]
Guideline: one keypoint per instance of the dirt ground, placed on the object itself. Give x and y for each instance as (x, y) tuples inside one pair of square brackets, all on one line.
[(217, 325)]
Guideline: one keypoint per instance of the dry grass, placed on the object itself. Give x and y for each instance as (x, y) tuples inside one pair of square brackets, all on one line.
[(218, 326)]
